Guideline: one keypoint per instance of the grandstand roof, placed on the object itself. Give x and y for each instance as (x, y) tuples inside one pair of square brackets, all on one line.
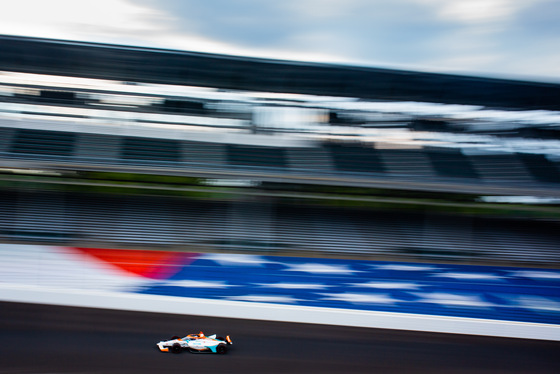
[(136, 64)]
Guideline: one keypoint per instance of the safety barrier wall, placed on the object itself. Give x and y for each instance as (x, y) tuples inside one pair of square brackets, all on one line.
[(484, 300)]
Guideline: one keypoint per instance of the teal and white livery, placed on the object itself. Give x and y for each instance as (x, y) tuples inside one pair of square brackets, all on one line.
[(196, 343)]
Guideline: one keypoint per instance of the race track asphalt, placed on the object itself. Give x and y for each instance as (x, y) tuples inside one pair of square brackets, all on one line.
[(52, 339)]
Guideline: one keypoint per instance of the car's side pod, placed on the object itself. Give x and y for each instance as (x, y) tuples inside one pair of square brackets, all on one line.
[(228, 340)]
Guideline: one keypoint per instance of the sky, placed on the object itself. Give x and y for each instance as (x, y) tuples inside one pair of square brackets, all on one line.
[(502, 38)]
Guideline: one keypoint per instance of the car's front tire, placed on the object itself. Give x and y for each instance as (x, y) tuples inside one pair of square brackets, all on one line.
[(176, 348), (221, 349)]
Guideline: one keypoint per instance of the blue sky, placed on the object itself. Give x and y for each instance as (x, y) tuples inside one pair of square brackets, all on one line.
[(511, 38)]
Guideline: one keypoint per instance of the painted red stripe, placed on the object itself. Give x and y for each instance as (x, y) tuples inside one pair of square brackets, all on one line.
[(145, 263)]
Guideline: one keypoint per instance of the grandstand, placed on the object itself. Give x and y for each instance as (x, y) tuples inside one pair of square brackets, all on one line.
[(134, 64), (77, 107), (266, 225)]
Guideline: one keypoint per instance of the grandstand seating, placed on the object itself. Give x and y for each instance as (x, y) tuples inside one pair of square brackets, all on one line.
[(150, 149), (186, 135), (408, 162), (451, 163), (256, 156), (56, 143), (541, 167), (268, 226), (350, 164), (355, 158)]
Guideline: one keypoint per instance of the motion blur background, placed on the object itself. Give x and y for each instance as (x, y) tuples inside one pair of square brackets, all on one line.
[(400, 131)]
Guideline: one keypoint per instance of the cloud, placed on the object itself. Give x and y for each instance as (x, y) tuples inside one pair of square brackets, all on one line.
[(478, 11), (322, 9), (467, 61), (99, 20), (474, 36)]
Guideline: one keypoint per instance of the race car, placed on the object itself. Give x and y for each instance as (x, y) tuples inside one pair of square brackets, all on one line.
[(196, 343)]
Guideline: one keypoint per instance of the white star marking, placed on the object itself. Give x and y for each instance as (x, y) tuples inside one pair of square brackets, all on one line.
[(538, 303), (387, 285), (294, 286), (360, 298), (235, 259), (264, 299), (480, 276), (536, 274), (399, 267), (198, 284), (449, 299), (321, 268)]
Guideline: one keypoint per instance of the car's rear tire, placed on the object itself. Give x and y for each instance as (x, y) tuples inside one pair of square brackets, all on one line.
[(176, 348), (221, 349)]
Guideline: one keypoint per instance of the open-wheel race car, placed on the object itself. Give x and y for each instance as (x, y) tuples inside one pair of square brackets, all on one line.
[(196, 343)]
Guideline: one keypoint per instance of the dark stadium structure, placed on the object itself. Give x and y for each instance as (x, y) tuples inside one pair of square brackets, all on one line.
[(73, 130), (272, 226), (55, 145), (135, 64)]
